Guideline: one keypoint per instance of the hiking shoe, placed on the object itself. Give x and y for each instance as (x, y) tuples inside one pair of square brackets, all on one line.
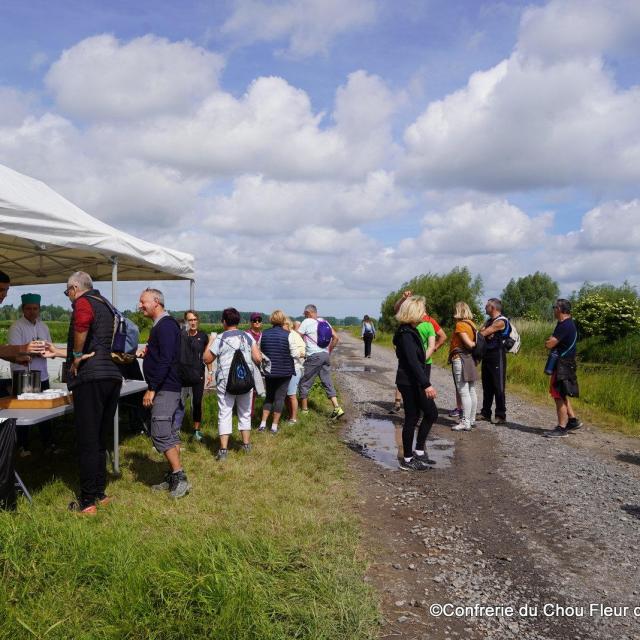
[(83, 508), (304, 411), (292, 422), (103, 500), (500, 420), (396, 408), (455, 413), (178, 485), (198, 436), (424, 458), (246, 448), (164, 485), (461, 426), (480, 417), (262, 427), (558, 432), (573, 424), (273, 431), (413, 465), (222, 454), (338, 412)]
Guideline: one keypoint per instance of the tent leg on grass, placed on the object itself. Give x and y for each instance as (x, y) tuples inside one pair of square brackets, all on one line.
[(20, 486)]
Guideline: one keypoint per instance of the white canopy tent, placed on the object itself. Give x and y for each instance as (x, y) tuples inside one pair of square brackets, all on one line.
[(44, 238)]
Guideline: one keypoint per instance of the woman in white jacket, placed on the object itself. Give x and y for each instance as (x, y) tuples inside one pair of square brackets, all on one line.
[(297, 350)]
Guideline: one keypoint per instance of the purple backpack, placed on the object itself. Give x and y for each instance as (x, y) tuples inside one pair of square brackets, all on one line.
[(325, 334)]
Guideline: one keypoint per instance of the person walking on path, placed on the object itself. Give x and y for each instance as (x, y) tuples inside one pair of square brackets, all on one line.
[(315, 332), (275, 346), (27, 328), (297, 351), (463, 366), (368, 335), (494, 363), (223, 348), (95, 381), (199, 341), (564, 381), (413, 381), (165, 389)]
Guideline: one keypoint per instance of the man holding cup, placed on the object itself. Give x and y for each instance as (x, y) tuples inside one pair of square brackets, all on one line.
[(30, 328)]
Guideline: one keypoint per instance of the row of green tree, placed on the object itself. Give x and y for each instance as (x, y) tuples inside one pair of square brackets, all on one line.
[(599, 309)]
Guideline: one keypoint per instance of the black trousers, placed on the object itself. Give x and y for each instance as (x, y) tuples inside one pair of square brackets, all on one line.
[(7, 464), (276, 392), (95, 405), (197, 391), (416, 403), (46, 433), (368, 339), (494, 376)]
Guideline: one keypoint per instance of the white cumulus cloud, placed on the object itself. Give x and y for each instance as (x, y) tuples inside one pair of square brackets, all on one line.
[(103, 78)]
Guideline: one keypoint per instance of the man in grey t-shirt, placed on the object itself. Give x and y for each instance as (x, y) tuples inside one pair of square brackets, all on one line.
[(318, 361)]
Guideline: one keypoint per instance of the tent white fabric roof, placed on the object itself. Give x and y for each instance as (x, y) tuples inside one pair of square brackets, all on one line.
[(44, 238)]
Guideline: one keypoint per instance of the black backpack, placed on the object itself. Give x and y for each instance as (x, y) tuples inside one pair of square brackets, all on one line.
[(477, 353), (240, 378)]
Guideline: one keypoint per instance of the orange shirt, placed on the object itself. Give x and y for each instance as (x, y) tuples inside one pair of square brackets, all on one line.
[(462, 326)]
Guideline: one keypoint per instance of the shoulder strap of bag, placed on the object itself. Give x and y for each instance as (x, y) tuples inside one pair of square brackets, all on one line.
[(573, 344)]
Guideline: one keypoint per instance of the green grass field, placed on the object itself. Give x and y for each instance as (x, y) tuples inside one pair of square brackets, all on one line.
[(608, 373), (265, 547)]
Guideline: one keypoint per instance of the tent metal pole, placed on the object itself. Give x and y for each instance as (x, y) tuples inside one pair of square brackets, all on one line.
[(116, 416), (192, 294)]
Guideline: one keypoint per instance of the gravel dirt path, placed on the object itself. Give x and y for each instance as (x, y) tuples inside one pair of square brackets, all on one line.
[(507, 518)]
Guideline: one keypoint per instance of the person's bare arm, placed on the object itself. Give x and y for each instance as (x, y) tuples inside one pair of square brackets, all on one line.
[(256, 354), (398, 304), (79, 338), (431, 347), (497, 326), (466, 340), (335, 338), (441, 338), (551, 342), (10, 351)]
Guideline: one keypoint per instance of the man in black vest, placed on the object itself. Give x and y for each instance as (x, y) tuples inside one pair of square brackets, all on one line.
[(494, 363), (96, 383)]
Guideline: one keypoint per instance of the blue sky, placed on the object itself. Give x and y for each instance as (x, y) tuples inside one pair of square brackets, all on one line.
[(332, 150)]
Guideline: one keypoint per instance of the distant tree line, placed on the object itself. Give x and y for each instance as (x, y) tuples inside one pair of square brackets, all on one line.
[(599, 309)]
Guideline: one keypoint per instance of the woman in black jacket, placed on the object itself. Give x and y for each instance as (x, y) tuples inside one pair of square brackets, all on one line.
[(412, 380)]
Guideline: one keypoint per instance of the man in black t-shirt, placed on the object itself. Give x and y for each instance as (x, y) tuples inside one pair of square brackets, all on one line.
[(563, 379)]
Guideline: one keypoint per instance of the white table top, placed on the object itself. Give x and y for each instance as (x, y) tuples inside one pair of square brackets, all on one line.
[(28, 417)]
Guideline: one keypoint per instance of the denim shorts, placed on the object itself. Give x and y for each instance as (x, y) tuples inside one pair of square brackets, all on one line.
[(293, 384)]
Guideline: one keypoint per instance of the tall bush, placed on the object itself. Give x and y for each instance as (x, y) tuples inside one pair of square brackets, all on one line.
[(597, 316), (442, 291)]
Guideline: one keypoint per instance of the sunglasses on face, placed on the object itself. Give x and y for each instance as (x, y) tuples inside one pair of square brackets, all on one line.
[(257, 320), (69, 290)]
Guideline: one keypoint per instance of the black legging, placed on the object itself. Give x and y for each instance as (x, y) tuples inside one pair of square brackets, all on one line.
[(415, 401), (197, 391), (276, 392), (368, 338)]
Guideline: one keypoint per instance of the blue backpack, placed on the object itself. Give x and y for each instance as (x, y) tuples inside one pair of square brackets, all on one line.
[(325, 333), (126, 335)]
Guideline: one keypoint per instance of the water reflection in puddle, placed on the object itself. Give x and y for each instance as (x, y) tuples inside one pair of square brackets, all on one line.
[(381, 441), (356, 367)]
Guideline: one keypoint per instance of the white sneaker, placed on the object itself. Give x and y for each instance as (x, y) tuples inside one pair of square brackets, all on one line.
[(461, 427)]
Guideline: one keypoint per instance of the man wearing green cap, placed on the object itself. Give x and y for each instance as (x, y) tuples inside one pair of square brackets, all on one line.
[(23, 331)]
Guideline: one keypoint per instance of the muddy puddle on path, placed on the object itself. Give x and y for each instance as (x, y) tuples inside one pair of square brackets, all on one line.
[(349, 368), (381, 441)]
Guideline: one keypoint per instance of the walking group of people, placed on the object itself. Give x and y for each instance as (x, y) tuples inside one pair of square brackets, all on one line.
[(290, 355), (418, 336)]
